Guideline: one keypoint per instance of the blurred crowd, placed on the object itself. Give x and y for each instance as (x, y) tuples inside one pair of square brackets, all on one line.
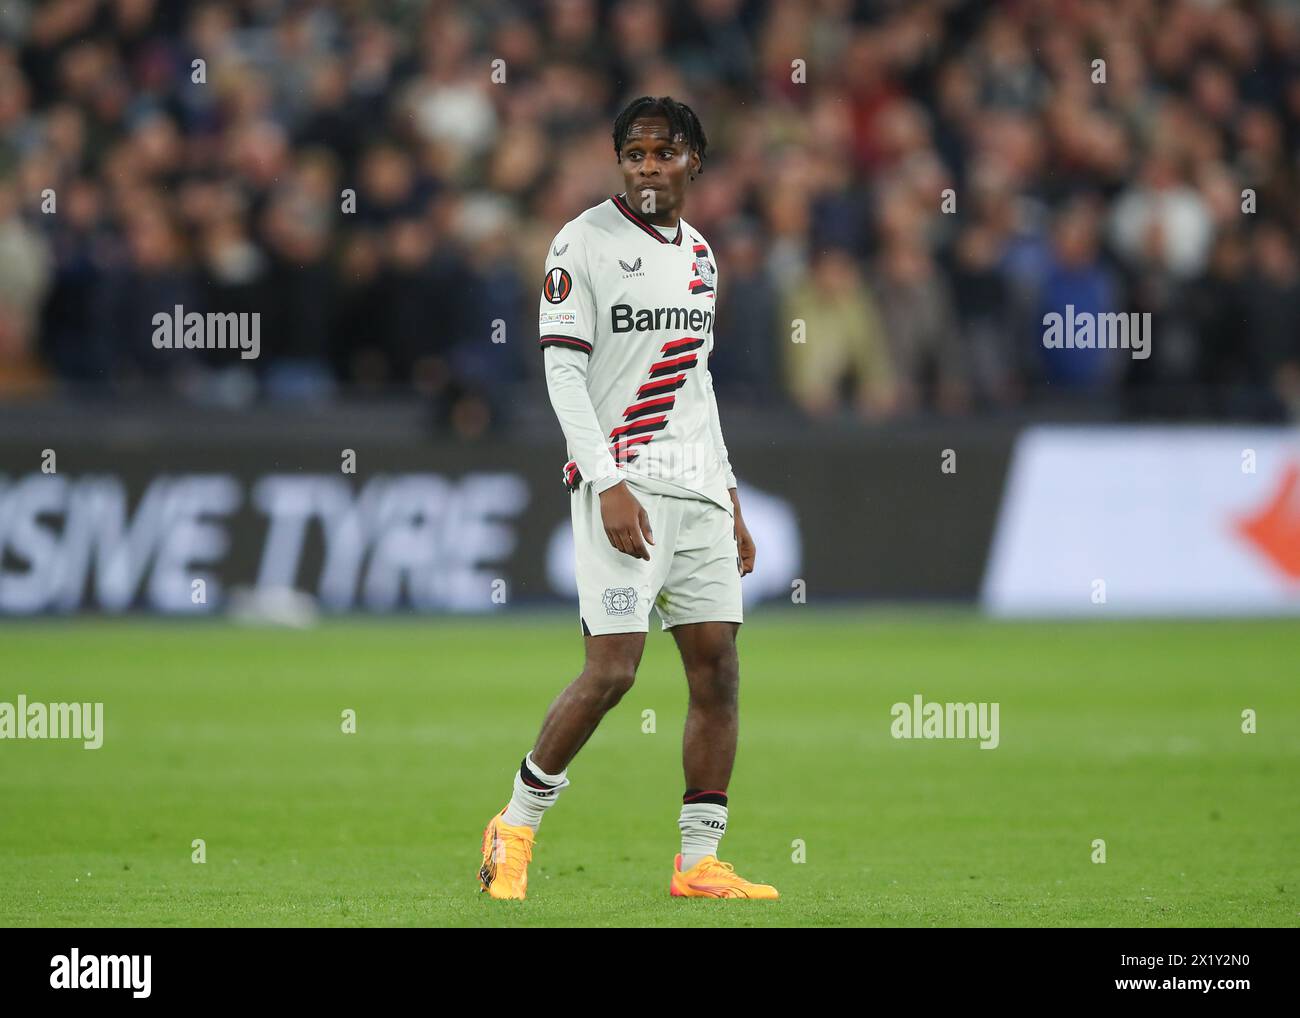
[(897, 193)]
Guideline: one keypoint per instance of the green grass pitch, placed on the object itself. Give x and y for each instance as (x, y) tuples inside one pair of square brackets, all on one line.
[(1124, 731)]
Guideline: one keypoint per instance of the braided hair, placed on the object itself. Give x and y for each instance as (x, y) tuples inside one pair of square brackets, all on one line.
[(681, 121)]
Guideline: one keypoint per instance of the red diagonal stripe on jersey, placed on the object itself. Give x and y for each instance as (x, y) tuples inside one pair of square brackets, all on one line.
[(678, 362), (686, 343), (637, 408), (623, 446), (641, 423), (677, 381)]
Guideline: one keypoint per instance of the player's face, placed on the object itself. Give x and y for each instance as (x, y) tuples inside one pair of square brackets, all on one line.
[(656, 165)]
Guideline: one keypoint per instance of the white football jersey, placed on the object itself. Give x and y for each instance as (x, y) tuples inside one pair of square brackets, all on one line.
[(640, 305)]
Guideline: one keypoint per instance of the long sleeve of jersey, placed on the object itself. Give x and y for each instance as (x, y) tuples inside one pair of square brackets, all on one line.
[(566, 382), (715, 426)]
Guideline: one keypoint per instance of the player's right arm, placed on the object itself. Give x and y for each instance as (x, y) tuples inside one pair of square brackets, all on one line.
[(567, 329)]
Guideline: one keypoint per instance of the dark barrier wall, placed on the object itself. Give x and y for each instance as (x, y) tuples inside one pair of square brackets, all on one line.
[(181, 524)]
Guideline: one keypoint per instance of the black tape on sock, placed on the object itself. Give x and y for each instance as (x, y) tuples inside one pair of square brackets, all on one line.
[(698, 795), (529, 778)]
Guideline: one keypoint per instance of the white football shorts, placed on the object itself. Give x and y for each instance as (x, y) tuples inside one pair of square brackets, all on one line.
[(693, 574)]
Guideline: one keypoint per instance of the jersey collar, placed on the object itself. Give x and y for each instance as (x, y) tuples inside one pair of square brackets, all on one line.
[(621, 203)]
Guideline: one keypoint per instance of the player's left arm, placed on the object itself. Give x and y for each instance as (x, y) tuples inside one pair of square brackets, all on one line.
[(744, 541)]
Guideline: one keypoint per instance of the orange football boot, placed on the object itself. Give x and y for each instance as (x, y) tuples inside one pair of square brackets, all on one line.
[(507, 850), (710, 878)]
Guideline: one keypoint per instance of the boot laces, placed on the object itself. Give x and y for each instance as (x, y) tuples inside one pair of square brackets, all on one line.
[(724, 869)]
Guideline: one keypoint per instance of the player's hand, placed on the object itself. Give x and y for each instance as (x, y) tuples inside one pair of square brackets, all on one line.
[(744, 545), (625, 521)]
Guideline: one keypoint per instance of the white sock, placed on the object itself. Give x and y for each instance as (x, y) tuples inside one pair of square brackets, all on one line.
[(528, 804), (703, 824)]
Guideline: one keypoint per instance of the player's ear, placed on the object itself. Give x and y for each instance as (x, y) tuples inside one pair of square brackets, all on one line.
[(695, 165)]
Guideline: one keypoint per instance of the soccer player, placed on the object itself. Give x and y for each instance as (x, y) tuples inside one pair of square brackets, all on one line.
[(626, 327)]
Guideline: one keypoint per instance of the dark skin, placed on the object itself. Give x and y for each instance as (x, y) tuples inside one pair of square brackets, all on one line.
[(656, 170)]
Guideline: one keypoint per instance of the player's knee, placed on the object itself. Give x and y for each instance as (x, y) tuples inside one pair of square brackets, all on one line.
[(610, 680), (714, 678)]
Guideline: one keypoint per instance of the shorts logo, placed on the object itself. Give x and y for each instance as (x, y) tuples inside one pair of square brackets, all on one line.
[(558, 286), (620, 600)]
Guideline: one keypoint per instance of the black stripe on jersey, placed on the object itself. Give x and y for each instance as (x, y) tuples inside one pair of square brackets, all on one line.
[(659, 388), (638, 429), (573, 341), (657, 409), (637, 221), (668, 369), (680, 346)]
